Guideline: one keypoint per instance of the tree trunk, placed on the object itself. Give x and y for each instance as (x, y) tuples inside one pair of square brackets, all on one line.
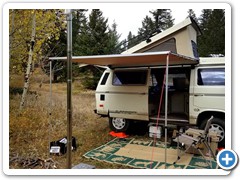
[(30, 57)]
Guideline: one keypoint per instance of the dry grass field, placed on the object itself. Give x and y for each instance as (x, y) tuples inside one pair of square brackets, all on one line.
[(32, 129)]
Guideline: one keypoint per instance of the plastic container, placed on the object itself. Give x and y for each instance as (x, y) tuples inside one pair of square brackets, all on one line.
[(155, 131)]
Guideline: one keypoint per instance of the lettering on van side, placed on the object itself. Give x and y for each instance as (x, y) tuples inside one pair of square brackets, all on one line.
[(124, 112)]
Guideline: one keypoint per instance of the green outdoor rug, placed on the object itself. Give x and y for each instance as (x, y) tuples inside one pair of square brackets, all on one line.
[(141, 154)]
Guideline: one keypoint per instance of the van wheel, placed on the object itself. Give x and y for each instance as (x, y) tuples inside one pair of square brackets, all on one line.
[(218, 125), (118, 124)]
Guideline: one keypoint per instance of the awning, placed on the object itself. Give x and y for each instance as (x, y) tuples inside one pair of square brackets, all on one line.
[(138, 60), (132, 60)]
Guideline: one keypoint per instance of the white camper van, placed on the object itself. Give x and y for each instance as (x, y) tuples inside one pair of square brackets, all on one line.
[(195, 93), (131, 87), (196, 90)]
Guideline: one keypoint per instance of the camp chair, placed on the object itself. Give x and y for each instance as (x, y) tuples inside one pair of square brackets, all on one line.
[(201, 137)]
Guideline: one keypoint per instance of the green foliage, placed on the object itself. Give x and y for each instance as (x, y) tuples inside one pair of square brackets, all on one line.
[(100, 39), (148, 26), (90, 77), (56, 47), (132, 40), (90, 36), (113, 44), (95, 37), (204, 17), (79, 25), (90, 81), (20, 26), (161, 20), (212, 23), (192, 14)]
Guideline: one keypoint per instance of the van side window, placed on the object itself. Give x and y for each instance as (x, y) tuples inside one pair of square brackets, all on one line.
[(195, 49), (105, 77), (129, 77), (169, 45), (211, 77)]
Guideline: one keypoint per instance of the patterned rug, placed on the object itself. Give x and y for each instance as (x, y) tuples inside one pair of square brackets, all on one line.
[(141, 154)]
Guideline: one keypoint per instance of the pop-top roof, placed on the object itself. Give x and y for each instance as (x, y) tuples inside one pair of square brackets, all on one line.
[(132, 60), (168, 33)]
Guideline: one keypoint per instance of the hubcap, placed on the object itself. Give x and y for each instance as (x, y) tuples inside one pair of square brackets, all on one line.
[(118, 123), (219, 130)]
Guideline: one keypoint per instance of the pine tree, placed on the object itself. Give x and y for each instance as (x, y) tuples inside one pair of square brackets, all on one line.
[(161, 20), (148, 27), (91, 36), (192, 14), (204, 17), (202, 40), (212, 24), (79, 29), (96, 38), (114, 46), (98, 33), (216, 32), (131, 40)]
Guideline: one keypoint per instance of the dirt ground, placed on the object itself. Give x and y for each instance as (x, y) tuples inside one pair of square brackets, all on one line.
[(43, 121)]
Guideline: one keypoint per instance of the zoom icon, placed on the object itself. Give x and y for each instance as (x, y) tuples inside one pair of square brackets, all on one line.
[(227, 159)]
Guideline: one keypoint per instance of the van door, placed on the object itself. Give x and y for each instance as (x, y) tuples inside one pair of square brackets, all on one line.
[(209, 89), (128, 94)]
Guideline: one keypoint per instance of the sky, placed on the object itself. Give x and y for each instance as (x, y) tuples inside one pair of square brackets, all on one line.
[(132, 20)]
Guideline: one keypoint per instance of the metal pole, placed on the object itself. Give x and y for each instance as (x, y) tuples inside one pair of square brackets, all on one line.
[(166, 108), (69, 88), (50, 105)]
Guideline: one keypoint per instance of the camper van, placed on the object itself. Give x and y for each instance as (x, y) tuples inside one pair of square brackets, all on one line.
[(195, 93), (166, 67), (135, 90)]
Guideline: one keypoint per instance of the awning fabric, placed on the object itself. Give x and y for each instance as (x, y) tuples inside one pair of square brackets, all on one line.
[(132, 60)]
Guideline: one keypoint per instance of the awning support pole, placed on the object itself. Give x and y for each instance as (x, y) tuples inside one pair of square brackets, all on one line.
[(166, 107), (50, 106), (69, 88)]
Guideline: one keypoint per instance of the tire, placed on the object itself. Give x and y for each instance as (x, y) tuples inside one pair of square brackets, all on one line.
[(218, 125), (119, 124)]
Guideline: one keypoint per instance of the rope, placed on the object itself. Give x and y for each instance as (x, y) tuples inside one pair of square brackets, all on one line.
[(158, 117)]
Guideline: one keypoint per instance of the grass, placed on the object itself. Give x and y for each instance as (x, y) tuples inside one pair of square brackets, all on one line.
[(33, 128)]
